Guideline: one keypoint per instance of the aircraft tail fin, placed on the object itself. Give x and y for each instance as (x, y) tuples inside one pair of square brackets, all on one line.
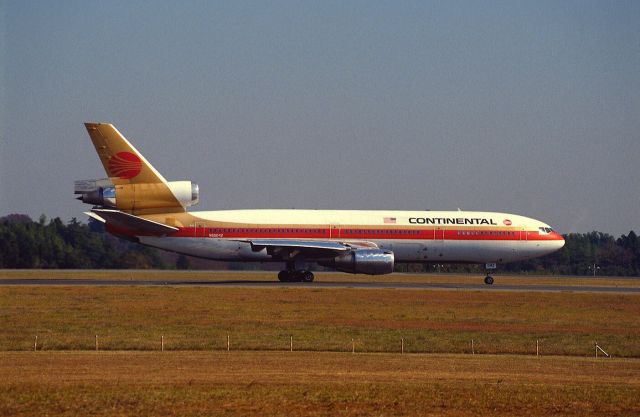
[(121, 160)]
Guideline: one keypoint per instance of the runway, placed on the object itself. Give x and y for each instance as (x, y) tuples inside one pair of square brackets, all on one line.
[(320, 284)]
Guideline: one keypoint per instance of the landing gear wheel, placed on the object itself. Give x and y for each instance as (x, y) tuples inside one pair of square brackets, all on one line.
[(295, 276), (488, 280), (307, 276), (284, 276)]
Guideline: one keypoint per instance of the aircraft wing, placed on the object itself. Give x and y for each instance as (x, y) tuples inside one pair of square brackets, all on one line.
[(128, 221), (290, 248)]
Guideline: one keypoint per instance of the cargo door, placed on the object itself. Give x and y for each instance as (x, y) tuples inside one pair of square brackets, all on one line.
[(438, 248)]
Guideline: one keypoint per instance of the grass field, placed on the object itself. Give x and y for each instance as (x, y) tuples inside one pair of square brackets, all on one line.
[(311, 383), (195, 375), (212, 276), (318, 319)]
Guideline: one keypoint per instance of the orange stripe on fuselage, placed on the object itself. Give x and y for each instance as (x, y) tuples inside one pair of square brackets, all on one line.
[(347, 233)]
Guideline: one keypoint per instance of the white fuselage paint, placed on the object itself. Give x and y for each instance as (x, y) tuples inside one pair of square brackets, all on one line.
[(444, 236)]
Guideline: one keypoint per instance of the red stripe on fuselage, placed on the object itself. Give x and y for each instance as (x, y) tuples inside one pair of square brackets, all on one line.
[(364, 234)]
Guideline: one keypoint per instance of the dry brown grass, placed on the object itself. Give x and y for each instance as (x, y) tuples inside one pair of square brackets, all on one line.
[(183, 382), (199, 318), (308, 383)]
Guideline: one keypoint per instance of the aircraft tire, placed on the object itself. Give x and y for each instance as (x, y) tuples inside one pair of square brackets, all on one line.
[(295, 276), (307, 276), (284, 276), (488, 280)]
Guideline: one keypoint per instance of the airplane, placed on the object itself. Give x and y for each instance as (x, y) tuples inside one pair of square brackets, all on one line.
[(137, 203)]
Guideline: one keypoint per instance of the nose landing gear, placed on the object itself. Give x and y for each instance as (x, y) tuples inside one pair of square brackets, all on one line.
[(489, 279)]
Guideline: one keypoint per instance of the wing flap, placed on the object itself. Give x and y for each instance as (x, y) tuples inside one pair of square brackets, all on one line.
[(128, 221), (309, 249), (259, 244)]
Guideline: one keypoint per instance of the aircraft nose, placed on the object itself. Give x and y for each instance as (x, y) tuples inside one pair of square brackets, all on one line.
[(558, 240)]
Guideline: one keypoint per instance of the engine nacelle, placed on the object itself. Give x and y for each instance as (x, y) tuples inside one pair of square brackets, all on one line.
[(97, 192), (186, 192), (364, 261), (135, 197)]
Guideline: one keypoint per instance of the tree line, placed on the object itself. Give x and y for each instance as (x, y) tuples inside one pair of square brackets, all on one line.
[(28, 244), (25, 243)]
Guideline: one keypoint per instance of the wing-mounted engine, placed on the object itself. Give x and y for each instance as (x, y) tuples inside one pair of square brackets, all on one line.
[(363, 261), (138, 197)]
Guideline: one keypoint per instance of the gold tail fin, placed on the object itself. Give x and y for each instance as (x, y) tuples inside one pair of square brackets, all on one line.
[(121, 160), (139, 188)]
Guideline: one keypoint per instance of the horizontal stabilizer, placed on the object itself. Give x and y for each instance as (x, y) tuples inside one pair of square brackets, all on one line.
[(133, 223), (94, 216)]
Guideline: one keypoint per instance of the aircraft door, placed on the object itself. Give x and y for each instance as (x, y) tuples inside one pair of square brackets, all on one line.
[(524, 235), (200, 229), (438, 248), (334, 231)]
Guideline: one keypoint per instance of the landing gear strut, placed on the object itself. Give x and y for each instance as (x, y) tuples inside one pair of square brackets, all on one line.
[(291, 274), (489, 279)]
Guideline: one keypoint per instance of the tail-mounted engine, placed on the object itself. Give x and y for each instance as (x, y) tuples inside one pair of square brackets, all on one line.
[(138, 198)]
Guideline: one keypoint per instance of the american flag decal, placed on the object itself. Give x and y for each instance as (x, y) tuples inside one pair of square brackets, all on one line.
[(390, 220)]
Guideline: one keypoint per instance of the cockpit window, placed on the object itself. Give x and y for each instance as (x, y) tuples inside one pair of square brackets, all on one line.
[(544, 230)]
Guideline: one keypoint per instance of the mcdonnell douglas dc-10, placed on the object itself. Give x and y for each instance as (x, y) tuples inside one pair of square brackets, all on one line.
[(137, 203)]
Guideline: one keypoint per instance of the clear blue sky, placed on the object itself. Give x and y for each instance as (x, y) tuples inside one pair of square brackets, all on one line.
[(524, 107)]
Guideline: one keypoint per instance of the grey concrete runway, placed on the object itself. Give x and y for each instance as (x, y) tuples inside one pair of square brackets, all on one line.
[(319, 284)]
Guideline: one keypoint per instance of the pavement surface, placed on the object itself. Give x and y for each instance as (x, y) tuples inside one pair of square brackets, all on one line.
[(320, 284)]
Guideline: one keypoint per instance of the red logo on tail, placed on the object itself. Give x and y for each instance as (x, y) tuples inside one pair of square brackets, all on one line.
[(124, 165)]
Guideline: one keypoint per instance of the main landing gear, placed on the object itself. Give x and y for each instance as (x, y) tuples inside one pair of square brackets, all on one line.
[(295, 276)]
